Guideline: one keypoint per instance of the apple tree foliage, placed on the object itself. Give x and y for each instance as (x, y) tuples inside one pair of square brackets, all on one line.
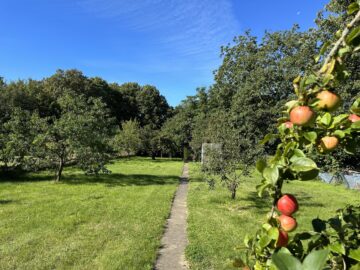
[(335, 242), (79, 135), (128, 138), (17, 137), (222, 160)]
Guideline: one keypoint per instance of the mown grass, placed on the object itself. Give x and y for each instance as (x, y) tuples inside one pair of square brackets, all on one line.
[(217, 225), (85, 222)]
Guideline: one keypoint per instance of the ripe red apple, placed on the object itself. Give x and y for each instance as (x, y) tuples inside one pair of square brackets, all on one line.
[(288, 224), (354, 118), (329, 143), (302, 115), (283, 239), (328, 101), (288, 124), (287, 204)]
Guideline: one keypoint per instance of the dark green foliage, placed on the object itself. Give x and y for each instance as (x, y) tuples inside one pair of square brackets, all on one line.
[(79, 135), (128, 138), (255, 80), (128, 108), (187, 127), (153, 107), (150, 141), (43, 98), (18, 138)]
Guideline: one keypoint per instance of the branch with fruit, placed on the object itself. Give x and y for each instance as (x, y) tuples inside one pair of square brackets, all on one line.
[(310, 124)]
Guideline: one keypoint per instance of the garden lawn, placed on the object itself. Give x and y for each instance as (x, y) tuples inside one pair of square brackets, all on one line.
[(217, 225), (86, 222)]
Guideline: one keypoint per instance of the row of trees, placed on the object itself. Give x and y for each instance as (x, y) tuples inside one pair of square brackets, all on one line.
[(69, 118), (251, 86)]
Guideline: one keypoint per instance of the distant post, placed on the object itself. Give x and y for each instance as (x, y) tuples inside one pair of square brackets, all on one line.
[(209, 148)]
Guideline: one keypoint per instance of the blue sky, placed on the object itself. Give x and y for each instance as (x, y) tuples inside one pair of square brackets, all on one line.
[(172, 44)]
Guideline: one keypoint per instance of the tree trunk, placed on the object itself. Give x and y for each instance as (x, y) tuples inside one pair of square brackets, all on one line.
[(5, 167), (233, 193), (59, 170), (153, 155)]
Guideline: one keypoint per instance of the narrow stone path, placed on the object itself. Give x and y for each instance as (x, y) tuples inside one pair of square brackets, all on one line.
[(172, 252)]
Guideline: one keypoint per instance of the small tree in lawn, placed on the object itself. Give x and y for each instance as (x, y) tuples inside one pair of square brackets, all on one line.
[(128, 139), (150, 141), (235, 158), (79, 136)]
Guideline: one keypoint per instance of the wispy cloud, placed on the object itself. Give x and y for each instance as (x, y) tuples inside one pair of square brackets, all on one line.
[(185, 28)]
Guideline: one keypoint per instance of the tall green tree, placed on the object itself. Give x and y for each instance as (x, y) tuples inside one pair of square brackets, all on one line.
[(79, 135), (153, 107), (128, 139), (150, 141), (254, 78), (129, 106), (17, 139)]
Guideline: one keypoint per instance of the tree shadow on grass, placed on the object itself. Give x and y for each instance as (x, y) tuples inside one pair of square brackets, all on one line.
[(118, 179), (146, 159), (260, 203), (115, 179), (264, 204), (6, 201)]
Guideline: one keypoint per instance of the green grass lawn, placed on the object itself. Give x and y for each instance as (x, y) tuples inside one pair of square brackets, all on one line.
[(108, 222), (217, 225)]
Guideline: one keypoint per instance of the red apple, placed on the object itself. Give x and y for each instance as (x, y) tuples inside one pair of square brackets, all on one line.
[(288, 224), (328, 101), (329, 143), (302, 115), (287, 204), (354, 118), (288, 124), (283, 239)]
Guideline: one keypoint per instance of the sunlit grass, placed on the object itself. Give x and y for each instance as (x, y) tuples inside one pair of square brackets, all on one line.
[(107, 222), (217, 225)]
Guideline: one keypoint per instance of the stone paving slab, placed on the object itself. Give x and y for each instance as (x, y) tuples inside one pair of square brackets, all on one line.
[(172, 252)]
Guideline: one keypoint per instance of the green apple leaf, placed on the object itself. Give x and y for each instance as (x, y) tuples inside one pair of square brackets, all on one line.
[(261, 165), (273, 233), (315, 260), (352, 8), (264, 241), (326, 119), (285, 261), (271, 174), (339, 119), (339, 133), (337, 248), (355, 254), (353, 34), (311, 136), (303, 165)]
